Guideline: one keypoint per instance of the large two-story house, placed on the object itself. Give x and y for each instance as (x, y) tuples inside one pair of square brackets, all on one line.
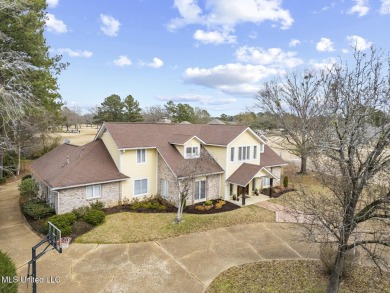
[(133, 160)]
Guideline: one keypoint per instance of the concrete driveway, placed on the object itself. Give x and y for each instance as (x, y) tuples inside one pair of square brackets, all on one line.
[(183, 264)]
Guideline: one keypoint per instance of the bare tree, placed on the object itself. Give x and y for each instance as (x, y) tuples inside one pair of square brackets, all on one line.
[(295, 102), (154, 113), (353, 163), (189, 170)]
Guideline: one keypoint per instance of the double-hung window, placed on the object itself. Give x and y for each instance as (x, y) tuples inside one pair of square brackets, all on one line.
[(244, 153), (192, 152), (140, 186), (141, 156), (255, 152), (232, 154), (200, 189), (94, 191), (266, 181), (164, 188)]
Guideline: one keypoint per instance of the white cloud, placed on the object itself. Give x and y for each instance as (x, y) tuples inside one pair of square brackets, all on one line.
[(235, 79), (110, 26), (122, 61), (324, 64), (360, 43), (55, 25), (361, 8), (294, 43), (274, 57), (214, 37), (227, 14), (325, 45), (157, 63), (52, 3), (201, 99), (385, 7), (75, 53)]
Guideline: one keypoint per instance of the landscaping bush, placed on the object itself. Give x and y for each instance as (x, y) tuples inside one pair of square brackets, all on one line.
[(7, 269), (208, 203), (26, 177), (28, 187), (80, 212), (63, 222), (285, 181), (219, 204), (151, 203), (37, 209), (97, 205), (94, 217), (328, 253)]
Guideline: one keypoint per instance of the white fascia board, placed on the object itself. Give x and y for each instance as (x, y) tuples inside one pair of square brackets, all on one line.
[(250, 131), (89, 184)]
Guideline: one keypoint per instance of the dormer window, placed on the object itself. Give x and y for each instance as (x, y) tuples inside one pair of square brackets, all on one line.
[(192, 152)]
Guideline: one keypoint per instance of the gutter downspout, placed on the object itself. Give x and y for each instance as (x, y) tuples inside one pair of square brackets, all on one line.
[(58, 200)]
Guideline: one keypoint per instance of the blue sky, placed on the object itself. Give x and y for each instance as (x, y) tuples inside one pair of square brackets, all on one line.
[(213, 54)]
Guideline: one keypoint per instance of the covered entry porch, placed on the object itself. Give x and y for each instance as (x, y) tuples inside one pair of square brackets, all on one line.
[(247, 181)]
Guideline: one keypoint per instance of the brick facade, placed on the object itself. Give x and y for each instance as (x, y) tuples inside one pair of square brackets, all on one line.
[(164, 173), (76, 197)]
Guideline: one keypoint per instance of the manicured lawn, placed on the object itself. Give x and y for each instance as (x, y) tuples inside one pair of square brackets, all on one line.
[(7, 269), (294, 276), (139, 227)]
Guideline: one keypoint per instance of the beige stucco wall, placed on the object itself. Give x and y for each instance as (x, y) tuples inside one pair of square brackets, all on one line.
[(76, 197), (112, 148), (136, 171)]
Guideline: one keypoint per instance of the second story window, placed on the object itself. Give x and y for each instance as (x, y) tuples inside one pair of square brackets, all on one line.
[(243, 153), (192, 152), (141, 156), (232, 154), (255, 152)]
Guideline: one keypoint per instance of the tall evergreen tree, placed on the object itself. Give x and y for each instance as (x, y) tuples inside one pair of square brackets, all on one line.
[(132, 110), (111, 110)]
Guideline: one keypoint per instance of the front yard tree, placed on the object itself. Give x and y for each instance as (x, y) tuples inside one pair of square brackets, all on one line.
[(354, 163), (132, 111), (294, 102)]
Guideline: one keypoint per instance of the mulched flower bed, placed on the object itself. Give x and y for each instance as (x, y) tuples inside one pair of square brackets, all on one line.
[(276, 192), (228, 206)]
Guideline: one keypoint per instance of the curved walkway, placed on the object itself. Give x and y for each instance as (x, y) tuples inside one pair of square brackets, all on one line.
[(183, 264)]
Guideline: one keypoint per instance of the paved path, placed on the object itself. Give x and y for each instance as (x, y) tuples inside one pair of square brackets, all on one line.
[(183, 264), (284, 214)]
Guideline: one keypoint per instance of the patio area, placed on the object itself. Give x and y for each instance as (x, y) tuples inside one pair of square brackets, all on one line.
[(250, 199)]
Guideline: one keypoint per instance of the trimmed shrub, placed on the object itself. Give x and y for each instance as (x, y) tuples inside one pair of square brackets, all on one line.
[(285, 181), (208, 203), (94, 217), (28, 187), (97, 205), (26, 177), (37, 209), (63, 222), (7, 269), (80, 212), (148, 204)]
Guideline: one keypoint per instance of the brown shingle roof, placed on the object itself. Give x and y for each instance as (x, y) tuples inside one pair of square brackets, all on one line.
[(88, 164), (142, 135), (244, 174), (270, 158)]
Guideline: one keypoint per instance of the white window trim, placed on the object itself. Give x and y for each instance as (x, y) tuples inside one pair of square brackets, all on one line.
[(205, 193), (261, 148), (255, 152), (147, 187), (192, 155), (166, 182), (246, 152), (136, 156), (93, 188), (232, 154)]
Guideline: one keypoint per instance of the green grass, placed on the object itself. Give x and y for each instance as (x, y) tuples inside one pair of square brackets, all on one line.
[(140, 227), (7, 268), (294, 276)]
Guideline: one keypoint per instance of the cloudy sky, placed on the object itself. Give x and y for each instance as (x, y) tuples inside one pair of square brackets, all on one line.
[(209, 53)]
